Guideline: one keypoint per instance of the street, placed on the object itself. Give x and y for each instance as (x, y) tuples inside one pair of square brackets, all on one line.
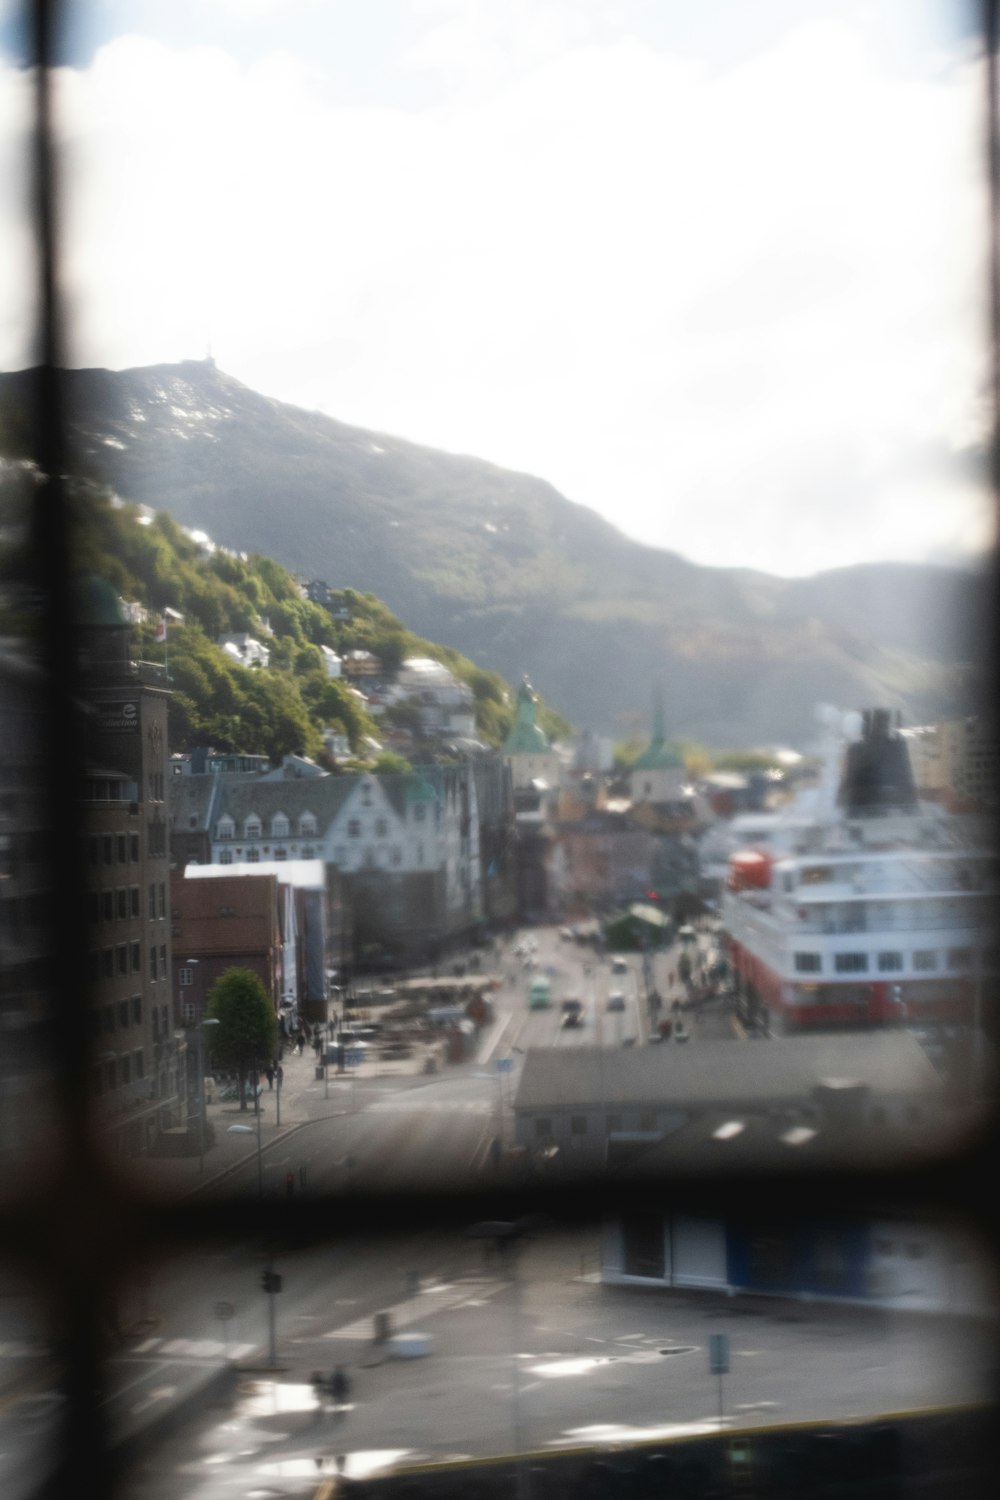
[(543, 1359)]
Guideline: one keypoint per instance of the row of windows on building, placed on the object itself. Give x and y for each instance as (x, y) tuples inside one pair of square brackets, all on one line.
[(124, 848), (126, 958), (125, 903), (280, 827), (107, 1018), (113, 848), (253, 827), (392, 856), (117, 1072), (648, 1121), (923, 961), (252, 856)]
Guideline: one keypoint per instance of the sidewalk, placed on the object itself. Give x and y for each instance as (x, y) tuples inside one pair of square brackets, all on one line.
[(303, 1098), (180, 1176)]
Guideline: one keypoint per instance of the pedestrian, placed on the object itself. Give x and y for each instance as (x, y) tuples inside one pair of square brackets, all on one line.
[(280, 1075), (269, 1075), (340, 1385)]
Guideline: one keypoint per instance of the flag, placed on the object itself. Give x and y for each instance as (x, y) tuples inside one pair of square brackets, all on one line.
[(169, 617)]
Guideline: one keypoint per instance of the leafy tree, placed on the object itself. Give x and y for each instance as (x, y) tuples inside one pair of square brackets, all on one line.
[(746, 760), (388, 763), (246, 1037)]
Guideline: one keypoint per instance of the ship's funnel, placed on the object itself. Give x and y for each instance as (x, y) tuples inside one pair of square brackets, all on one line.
[(877, 777)]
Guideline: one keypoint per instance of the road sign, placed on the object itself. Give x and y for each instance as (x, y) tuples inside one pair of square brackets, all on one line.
[(224, 1311), (504, 1064), (354, 1059), (718, 1354)]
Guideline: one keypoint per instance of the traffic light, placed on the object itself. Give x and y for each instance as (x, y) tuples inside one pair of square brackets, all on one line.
[(270, 1281)]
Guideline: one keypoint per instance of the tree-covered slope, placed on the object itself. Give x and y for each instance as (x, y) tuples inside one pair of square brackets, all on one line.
[(151, 561)]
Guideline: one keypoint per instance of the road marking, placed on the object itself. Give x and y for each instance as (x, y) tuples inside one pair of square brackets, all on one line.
[(416, 1309), (402, 1104)]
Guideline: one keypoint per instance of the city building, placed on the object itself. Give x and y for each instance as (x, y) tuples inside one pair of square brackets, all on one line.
[(721, 1103), (532, 760), (892, 1262), (408, 847), (25, 908), (658, 775), (244, 649), (234, 924), (137, 1058), (443, 705)]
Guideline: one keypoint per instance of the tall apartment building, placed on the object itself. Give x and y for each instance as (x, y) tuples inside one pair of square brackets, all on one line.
[(136, 1057)]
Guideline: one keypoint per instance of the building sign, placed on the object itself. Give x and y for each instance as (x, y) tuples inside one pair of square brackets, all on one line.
[(119, 718)]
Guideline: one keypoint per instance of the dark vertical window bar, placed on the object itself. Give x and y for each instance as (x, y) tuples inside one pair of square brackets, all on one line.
[(71, 1214)]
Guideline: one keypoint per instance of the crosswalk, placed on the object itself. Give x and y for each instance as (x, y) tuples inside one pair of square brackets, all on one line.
[(406, 1103), (441, 1297)]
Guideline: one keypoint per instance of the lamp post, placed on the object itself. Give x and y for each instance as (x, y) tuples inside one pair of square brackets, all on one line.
[(201, 1090)]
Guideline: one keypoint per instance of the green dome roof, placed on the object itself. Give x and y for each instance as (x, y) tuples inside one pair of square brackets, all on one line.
[(95, 602), (526, 737)]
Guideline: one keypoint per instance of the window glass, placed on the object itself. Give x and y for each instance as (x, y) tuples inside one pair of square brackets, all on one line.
[(580, 247)]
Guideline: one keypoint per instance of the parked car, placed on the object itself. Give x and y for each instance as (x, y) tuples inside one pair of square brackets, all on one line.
[(619, 965)]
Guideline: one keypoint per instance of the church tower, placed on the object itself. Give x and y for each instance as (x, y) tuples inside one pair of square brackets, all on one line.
[(526, 749), (658, 775)]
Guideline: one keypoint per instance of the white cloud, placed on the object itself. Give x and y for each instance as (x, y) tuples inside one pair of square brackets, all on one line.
[(727, 307)]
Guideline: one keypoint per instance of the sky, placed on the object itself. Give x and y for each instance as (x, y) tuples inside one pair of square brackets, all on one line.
[(715, 270)]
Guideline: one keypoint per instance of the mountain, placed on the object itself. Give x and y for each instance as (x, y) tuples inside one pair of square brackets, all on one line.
[(502, 567)]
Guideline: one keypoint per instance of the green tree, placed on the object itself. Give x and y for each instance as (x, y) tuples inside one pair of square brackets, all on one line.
[(388, 763), (246, 1037)]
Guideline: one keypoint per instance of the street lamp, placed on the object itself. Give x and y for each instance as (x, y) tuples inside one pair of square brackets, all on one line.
[(201, 1089)]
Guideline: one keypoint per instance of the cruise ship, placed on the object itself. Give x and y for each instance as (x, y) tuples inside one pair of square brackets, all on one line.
[(875, 910)]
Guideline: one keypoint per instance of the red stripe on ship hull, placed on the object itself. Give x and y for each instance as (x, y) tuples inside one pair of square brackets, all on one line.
[(879, 1011)]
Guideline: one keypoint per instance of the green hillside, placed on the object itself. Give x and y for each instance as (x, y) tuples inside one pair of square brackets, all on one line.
[(284, 707)]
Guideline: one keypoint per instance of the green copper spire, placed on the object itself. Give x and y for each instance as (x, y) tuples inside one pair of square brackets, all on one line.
[(658, 755), (526, 737)]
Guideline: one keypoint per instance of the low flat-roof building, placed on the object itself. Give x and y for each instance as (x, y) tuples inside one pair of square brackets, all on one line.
[(655, 1107)]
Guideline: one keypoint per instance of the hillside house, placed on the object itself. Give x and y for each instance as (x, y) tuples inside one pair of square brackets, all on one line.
[(244, 649)]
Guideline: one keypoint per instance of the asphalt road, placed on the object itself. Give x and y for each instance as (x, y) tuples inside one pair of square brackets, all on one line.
[(549, 1360)]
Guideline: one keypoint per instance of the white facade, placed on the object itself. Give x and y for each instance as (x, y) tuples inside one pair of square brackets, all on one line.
[(245, 650), (368, 832), (332, 662)]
